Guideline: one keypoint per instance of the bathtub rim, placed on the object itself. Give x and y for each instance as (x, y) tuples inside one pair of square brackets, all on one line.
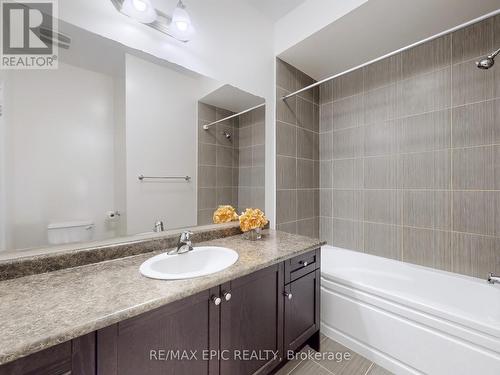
[(426, 308)]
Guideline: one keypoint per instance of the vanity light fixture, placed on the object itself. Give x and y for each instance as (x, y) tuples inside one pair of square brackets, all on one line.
[(178, 26), (140, 10)]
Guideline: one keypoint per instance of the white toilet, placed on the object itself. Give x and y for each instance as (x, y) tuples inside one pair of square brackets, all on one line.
[(70, 231)]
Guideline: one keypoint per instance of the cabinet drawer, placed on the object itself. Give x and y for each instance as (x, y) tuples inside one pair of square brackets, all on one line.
[(301, 265)]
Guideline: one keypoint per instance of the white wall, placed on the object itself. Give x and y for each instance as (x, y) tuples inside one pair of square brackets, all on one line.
[(161, 140), (308, 18), (60, 157), (233, 44)]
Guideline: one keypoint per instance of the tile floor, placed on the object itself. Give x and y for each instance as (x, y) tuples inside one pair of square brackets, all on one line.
[(356, 365)]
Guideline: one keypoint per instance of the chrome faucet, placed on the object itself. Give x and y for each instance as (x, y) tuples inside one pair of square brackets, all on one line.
[(492, 279), (159, 227), (184, 245)]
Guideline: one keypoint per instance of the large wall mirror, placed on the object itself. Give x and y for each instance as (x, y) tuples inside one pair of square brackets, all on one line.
[(112, 142)]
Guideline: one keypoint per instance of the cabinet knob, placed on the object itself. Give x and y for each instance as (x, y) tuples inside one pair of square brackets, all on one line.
[(227, 296), (216, 300), (288, 295), (304, 263)]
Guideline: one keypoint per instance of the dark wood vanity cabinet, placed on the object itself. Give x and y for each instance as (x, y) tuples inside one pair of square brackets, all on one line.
[(302, 301), (252, 323), (242, 327), (76, 357), (172, 340)]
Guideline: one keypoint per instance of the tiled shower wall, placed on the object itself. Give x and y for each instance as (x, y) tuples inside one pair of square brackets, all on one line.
[(251, 147), (230, 171), (410, 155), (297, 164)]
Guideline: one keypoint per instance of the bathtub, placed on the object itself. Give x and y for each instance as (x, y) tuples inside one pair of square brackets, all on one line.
[(410, 319)]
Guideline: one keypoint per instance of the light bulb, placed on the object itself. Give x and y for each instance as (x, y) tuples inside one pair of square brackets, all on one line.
[(140, 10), (181, 23)]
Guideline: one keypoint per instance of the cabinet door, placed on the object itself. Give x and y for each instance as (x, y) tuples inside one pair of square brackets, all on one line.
[(252, 323), (302, 310), (76, 357), (172, 340)]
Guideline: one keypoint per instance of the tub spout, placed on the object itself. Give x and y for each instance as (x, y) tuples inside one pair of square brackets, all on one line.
[(492, 279)]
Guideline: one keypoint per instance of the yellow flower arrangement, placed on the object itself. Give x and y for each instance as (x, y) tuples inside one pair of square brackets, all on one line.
[(225, 214), (252, 218)]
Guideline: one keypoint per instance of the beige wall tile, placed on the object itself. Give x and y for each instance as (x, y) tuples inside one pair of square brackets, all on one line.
[(305, 204), (380, 172), (326, 202), (326, 229), (348, 112), (427, 170), (382, 206), (305, 144), (347, 174), (305, 114), (347, 85), (427, 57), (476, 124), (425, 132), (475, 255), (474, 168), (206, 154), (473, 41), (427, 209), (383, 240), (380, 138), (286, 139), (427, 248), (325, 174), (471, 85), (326, 146), (476, 212), (347, 204), (348, 143), (326, 118), (382, 73), (286, 172), (207, 176), (286, 110), (348, 234), (380, 104), (288, 227), (305, 174), (286, 206), (326, 92), (425, 93), (207, 198)]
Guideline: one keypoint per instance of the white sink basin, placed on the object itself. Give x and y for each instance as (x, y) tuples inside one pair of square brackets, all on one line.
[(201, 261)]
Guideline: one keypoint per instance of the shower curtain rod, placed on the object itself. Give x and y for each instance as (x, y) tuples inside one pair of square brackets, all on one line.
[(205, 127), (392, 53)]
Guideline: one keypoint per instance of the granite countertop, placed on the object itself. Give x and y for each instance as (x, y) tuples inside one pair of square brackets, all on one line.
[(42, 310)]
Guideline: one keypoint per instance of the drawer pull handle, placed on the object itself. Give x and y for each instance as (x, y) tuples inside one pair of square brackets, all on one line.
[(288, 295), (227, 296), (216, 300), (304, 263)]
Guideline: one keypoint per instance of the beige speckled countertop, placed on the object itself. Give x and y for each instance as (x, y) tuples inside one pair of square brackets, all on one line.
[(43, 310)]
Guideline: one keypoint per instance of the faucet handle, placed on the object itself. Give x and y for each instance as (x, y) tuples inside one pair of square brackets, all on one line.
[(186, 235)]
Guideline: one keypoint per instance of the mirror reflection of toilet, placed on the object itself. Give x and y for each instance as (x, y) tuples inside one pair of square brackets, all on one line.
[(70, 231)]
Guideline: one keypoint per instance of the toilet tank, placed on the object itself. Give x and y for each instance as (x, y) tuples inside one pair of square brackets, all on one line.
[(70, 231)]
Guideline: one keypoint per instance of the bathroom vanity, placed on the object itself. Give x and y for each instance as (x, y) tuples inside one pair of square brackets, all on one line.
[(242, 320)]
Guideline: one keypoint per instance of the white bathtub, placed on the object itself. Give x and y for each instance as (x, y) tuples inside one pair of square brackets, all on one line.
[(410, 319)]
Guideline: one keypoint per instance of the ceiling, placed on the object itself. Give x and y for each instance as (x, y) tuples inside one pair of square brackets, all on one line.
[(379, 27), (232, 98), (275, 9)]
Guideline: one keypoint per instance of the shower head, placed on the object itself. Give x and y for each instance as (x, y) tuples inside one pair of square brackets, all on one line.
[(488, 61), (227, 135)]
